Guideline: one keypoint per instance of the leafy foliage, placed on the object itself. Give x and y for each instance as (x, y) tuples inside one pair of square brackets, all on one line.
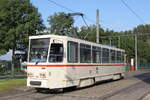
[(89, 33), (127, 42), (18, 20), (61, 23)]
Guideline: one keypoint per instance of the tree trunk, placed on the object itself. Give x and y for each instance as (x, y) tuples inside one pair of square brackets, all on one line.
[(13, 64)]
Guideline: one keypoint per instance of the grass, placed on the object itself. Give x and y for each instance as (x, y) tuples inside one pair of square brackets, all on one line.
[(7, 84)]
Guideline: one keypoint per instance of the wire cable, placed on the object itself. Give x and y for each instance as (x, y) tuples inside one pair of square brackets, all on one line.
[(60, 5), (90, 20), (73, 12), (87, 27), (84, 21), (139, 34), (132, 11)]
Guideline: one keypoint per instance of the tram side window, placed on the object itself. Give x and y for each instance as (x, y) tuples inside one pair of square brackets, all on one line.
[(105, 55), (96, 53), (85, 53), (118, 56), (56, 52), (72, 52), (113, 56)]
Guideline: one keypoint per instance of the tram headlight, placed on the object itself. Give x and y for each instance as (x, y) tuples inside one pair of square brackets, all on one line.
[(42, 75), (29, 74)]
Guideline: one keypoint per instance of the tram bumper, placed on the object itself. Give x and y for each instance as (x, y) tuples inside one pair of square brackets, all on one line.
[(46, 84), (37, 83)]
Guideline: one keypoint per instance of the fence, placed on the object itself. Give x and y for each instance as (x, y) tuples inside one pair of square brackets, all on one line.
[(5, 68), (144, 66), (141, 66), (127, 67)]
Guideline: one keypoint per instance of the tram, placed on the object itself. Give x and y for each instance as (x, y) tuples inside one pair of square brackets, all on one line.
[(57, 62)]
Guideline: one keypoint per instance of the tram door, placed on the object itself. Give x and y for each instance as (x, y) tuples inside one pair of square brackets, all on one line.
[(56, 55), (56, 52), (96, 53)]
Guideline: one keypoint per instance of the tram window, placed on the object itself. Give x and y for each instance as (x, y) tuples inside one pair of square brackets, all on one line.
[(56, 52), (105, 55), (118, 56), (39, 50), (113, 56), (85, 53), (72, 52), (96, 53)]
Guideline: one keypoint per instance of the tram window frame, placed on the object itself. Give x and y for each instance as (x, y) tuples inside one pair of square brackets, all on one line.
[(122, 57), (119, 56), (112, 56), (55, 57), (85, 53), (105, 55), (38, 51), (96, 54), (74, 58)]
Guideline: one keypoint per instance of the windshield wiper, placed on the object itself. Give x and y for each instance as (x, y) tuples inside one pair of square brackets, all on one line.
[(37, 62)]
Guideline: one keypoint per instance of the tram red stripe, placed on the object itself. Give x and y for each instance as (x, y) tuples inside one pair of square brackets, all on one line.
[(75, 65)]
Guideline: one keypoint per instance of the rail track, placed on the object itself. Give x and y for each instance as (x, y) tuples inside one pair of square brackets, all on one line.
[(134, 87)]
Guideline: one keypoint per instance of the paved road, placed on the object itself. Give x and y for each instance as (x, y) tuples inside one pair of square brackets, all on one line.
[(135, 86)]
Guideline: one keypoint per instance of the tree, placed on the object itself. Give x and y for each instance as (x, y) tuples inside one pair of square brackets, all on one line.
[(18, 20), (61, 23), (89, 32)]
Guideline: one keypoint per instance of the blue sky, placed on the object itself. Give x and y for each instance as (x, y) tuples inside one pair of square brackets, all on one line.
[(7, 56), (113, 13)]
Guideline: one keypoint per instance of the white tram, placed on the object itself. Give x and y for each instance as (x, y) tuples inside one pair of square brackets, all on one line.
[(61, 61)]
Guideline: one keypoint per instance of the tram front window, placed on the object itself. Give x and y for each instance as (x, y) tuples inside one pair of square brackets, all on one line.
[(56, 52), (39, 50)]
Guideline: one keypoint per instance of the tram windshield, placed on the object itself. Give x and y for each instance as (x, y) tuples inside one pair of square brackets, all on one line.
[(39, 50)]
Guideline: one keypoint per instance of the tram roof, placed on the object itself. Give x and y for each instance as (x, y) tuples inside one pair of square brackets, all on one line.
[(75, 40)]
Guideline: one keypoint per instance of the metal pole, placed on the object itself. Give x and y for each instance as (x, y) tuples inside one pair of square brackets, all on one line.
[(136, 52), (13, 64), (97, 26), (118, 41), (110, 40)]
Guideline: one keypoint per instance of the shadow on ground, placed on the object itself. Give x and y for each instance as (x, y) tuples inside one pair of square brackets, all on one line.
[(71, 89), (145, 77)]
